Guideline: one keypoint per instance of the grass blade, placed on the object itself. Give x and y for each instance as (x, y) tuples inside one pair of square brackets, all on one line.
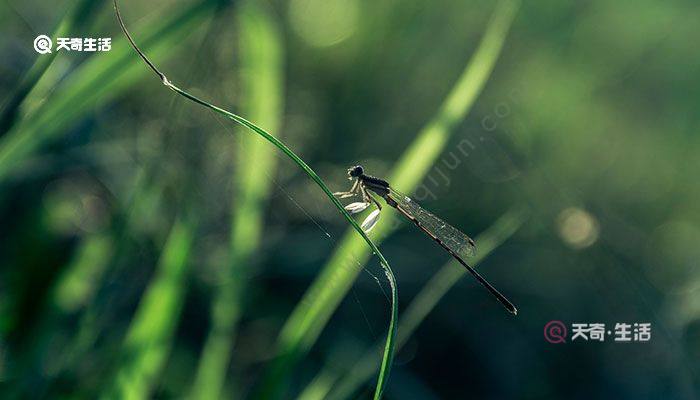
[(79, 15), (261, 76), (97, 81), (148, 340), (322, 298), (76, 286), (427, 299), (391, 334)]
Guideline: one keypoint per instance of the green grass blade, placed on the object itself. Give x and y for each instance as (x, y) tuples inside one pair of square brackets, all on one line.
[(74, 288), (320, 301), (391, 335), (387, 358), (99, 80), (321, 385), (261, 77), (78, 16), (96, 257), (420, 156), (149, 338), (424, 302), (77, 284)]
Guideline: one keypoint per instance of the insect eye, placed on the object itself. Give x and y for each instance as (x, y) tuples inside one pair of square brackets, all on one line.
[(355, 171)]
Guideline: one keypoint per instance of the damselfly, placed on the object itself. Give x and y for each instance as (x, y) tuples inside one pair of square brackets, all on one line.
[(456, 243)]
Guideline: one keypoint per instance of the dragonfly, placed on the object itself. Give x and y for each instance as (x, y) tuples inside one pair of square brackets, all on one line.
[(451, 239)]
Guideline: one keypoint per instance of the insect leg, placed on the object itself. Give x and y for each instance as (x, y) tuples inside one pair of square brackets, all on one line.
[(349, 193), (369, 198)]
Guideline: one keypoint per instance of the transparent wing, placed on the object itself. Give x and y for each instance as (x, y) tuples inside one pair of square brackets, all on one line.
[(452, 237)]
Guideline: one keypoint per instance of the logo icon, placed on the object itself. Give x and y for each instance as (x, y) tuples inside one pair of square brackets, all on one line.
[(43, 44), (555, 332)]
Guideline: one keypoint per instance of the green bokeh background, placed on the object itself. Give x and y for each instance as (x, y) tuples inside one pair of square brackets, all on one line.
[(135, 225)]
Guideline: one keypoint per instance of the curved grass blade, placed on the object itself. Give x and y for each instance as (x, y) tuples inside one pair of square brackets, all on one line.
[(311, 315), (391, 334), (427, 299)]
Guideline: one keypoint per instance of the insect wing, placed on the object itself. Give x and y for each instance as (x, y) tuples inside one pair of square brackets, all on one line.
[(452, 237)]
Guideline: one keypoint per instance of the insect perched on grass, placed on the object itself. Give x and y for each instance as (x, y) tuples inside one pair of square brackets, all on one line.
[(450, 238)]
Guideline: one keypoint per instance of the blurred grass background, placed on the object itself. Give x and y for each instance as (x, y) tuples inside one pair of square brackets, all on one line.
[(151, 249)]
